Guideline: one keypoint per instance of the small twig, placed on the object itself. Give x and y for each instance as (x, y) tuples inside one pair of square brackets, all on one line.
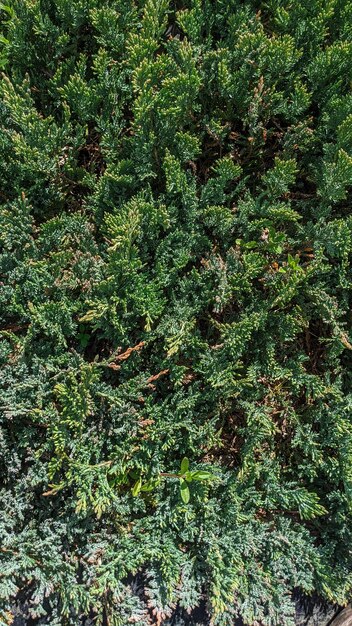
[(125, 355), (156, 376), (168, 475)]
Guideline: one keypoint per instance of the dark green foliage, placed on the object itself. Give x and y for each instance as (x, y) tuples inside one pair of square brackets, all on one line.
[(175, 290)]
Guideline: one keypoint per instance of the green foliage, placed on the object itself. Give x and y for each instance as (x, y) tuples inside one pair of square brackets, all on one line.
[(175, 309)]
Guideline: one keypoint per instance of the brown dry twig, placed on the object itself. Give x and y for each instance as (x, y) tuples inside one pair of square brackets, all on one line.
[(156, 376), (125, 355)]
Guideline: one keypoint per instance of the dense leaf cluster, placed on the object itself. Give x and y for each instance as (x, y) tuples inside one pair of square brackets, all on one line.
[(175, 295)]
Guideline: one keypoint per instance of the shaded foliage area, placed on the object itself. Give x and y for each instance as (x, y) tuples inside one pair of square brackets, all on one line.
[(175, 283)]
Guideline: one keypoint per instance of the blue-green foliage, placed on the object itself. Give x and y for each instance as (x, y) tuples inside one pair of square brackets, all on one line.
[(175, 283)]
